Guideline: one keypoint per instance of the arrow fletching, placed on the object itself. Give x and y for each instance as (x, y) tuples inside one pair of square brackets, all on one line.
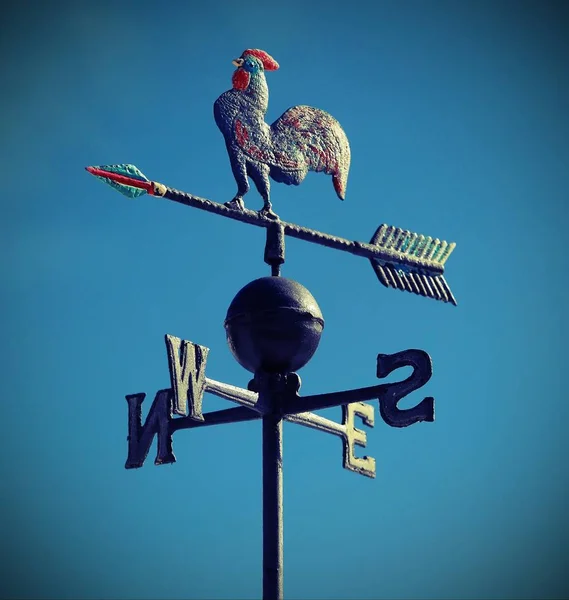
[(424, 277), (127, 179)]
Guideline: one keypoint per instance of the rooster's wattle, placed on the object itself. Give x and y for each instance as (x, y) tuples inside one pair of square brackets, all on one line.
[(303, 139)]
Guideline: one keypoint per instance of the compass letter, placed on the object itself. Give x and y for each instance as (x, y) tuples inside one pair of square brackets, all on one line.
[(157, 424), (422, 371), (365, 465), (187, 374)]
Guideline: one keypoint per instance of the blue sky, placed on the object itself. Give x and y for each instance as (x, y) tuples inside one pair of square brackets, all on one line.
[(457, 117)]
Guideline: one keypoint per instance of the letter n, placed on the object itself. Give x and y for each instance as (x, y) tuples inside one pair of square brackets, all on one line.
[(157, 424)]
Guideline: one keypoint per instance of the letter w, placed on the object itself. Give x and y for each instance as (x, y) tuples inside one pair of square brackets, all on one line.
[(187, 374)]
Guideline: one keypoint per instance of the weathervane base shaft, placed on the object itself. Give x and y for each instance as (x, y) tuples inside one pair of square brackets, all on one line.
[(272, 507)]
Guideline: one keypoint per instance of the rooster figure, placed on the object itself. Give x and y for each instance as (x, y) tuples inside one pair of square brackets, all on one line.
[(303, 139)]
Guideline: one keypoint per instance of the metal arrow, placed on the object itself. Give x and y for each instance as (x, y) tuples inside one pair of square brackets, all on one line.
[(401, 259)]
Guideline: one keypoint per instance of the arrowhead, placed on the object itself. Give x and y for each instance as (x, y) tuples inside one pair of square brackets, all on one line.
[(126, 179)]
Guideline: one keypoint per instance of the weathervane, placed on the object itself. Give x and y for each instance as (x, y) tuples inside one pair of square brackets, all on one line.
[(274, 324)]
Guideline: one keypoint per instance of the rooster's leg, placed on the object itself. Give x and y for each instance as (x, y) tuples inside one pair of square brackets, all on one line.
[(240, 173), (260, 176)]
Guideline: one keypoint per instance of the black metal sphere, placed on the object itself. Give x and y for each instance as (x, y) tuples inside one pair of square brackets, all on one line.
[(274, 325)]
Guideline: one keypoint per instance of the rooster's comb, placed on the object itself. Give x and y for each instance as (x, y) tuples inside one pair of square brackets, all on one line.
[(269, 63)]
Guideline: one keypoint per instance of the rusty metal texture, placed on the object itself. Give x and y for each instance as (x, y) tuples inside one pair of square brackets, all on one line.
[(302, 139)]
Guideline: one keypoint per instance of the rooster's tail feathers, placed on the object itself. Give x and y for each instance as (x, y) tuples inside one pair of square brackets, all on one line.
[(321, 141), (340, 173), (339, 186)]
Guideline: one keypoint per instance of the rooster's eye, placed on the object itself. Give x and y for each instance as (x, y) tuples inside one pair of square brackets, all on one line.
[(250, 66)]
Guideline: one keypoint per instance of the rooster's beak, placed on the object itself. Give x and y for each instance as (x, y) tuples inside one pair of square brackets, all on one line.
[(238, 62)]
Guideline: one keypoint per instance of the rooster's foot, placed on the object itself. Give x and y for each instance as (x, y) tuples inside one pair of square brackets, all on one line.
[(267, 213), (236, 204)]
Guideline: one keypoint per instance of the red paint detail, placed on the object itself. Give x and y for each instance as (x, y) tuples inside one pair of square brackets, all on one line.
[(338, 186), (130, 181), (269, 63), (241, 133), (319, 153), (285, 161), (292, 121), (257, 153), (240, 79)]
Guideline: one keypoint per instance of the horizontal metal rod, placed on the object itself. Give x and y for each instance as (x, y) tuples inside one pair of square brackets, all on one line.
[(233, 393), (317, 422), (248, 411), (295, 409), (242, 414), (238, 414), (301, 404), (369, 251)]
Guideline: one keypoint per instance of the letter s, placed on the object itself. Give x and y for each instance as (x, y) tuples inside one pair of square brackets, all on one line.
[(393, 392)]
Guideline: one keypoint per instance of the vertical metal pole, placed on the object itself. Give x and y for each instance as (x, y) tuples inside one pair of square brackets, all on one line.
[(272, 507), (273, 450)]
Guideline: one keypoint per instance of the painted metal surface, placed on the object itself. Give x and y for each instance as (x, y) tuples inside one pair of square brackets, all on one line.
[(401, 260), (187, 374), (302, 139), (273, 506), (274, 324)]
